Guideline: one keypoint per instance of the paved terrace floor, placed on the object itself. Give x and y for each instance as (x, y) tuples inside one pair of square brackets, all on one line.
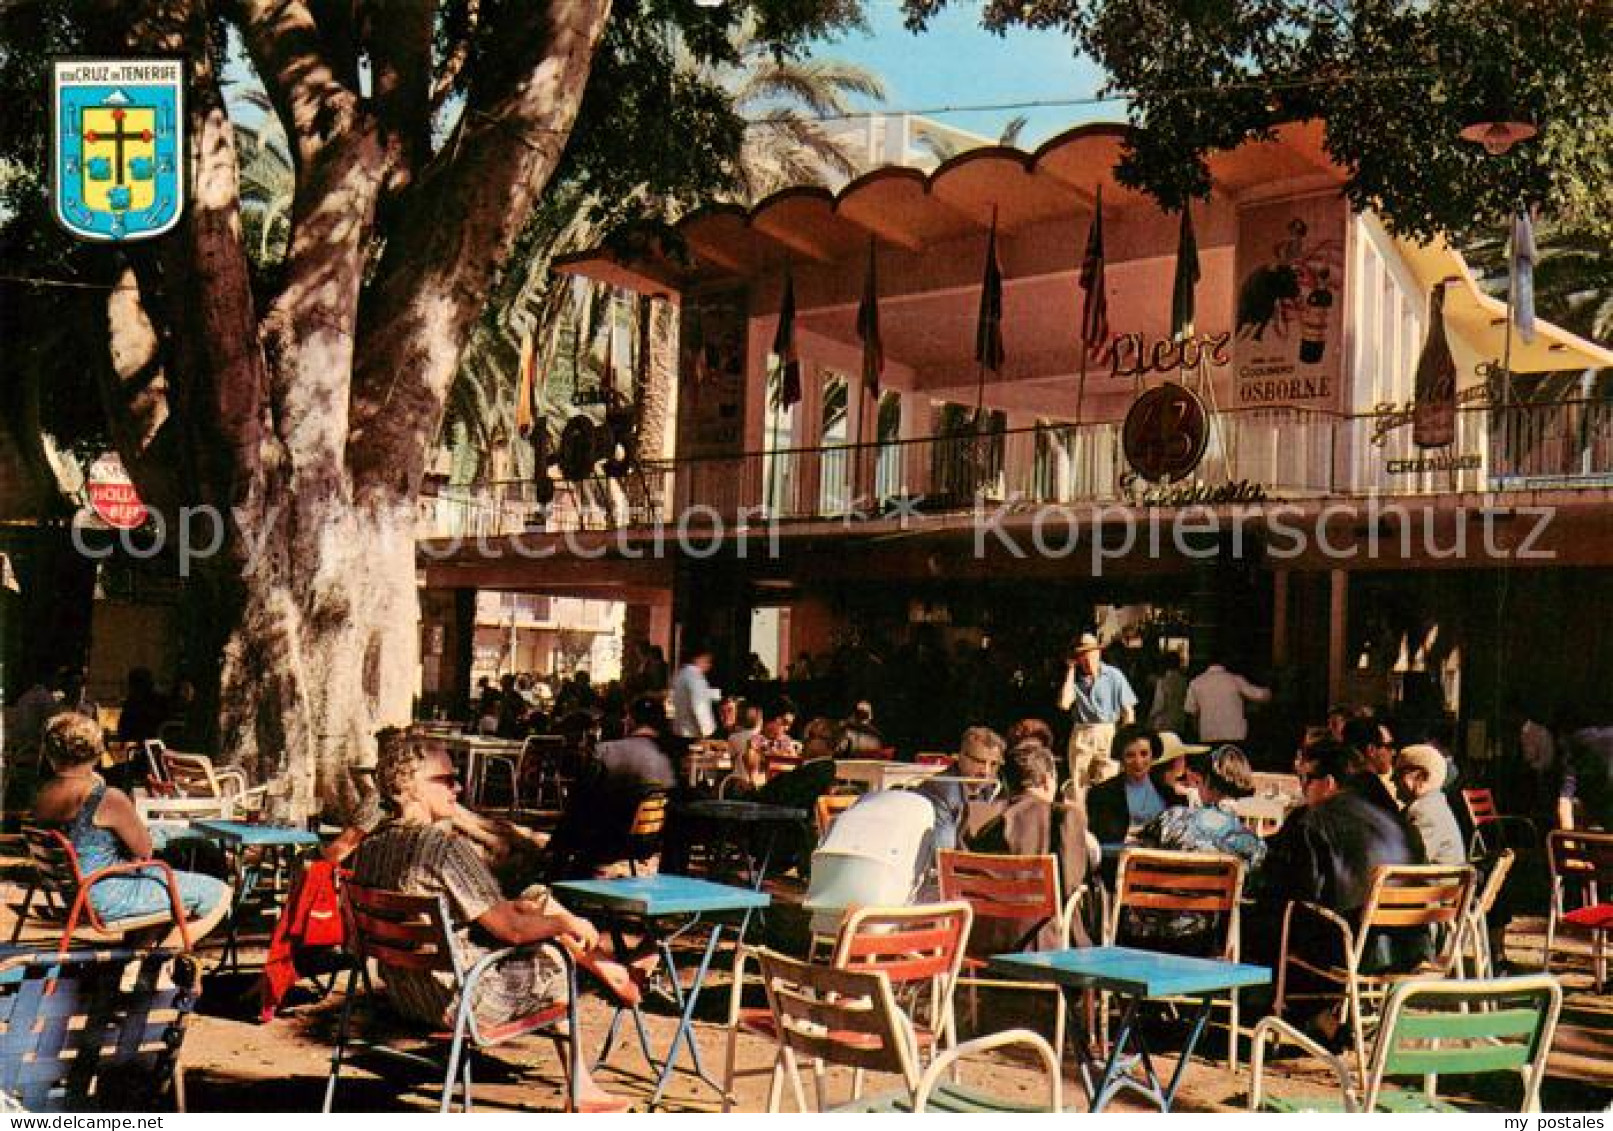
[(236, 1064)]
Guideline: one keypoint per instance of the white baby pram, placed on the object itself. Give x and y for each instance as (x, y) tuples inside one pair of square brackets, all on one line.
[(877, 853)]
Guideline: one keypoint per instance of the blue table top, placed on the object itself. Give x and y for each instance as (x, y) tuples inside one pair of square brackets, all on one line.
[(257, 836), (1126, 970), (741, 811), (661, 895)]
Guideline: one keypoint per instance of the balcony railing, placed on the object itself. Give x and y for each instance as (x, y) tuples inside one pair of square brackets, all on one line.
[(1287, 453)]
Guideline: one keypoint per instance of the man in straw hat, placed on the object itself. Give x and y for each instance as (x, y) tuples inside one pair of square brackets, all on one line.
[(1099, 699)]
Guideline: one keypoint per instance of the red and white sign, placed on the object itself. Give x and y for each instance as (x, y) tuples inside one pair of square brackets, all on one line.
[(112, 494)]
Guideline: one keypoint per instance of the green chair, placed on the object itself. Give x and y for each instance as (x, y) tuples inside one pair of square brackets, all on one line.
[(1432, 1029), (850, 1019)]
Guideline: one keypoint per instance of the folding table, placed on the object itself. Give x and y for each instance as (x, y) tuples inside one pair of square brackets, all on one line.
[(745, 816), (666, 908), (1134, 976), (237, 837)]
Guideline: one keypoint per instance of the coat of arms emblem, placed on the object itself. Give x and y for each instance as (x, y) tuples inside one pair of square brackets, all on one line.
[(119, 146)]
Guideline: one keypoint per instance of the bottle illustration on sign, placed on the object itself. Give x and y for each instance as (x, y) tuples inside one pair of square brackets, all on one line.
[(1313, 320)]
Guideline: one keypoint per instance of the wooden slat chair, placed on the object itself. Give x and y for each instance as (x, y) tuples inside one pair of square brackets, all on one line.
[(920, 949), (1432, 1029), (1173, 882), (850, 1019), (1430, 896), (1584, 862), (95, 1030), (413, 932), (829, 806), (194, 775), (780, 764), (64, 893), (1475, 951), (1017, 889), (1483, 815), (646, 830)]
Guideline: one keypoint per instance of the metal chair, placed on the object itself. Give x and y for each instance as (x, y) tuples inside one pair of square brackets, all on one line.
[(193, 775), (1199, 883), (65, 891), (94, 1030), (1482, 813), (919, 948), (829, 806), (850, 1018), (1017, 890), (416, 933), (1429, 896), (1430, 1029), (1476, 947), (646, 830), (1583, 861)]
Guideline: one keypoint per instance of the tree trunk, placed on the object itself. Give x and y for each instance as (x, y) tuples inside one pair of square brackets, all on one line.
[(324, 651), (657, 397)]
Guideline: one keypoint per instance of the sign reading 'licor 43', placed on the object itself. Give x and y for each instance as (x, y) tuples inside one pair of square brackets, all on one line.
[(118, 146)]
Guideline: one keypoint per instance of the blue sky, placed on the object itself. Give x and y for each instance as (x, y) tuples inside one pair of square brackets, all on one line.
[(958, 63)]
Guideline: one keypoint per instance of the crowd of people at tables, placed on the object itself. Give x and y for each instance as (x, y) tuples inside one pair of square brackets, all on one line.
[(1366, 801)]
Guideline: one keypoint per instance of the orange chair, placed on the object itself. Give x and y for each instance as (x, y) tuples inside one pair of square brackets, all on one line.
[(1017, 890), (831, 805), (1482, 812), (917, 948), (781, 764), (1583, 861), (66, 893), (415, 932)]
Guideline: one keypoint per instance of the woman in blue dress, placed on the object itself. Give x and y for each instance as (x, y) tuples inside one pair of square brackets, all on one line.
[(105, 829)]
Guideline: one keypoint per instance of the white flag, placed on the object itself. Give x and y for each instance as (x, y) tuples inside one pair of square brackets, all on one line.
[(1524, 254)]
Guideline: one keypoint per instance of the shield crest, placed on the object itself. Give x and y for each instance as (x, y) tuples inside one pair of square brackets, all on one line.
[(118, 144)]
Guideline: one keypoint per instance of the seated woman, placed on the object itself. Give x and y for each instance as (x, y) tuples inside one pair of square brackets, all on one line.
[(1219, 778), (419, 851), (105, 829), (1033, 822), (1134, 798)]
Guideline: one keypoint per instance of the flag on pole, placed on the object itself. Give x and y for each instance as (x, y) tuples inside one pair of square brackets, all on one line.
[(989, 329), (526, 387), (1187, 277), (784, 345), (868, 330), (1095, 307), (1524, 254)]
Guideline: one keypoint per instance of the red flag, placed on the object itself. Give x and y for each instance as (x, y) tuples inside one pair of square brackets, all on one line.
[(526, 387), (784, 345), (989, 330), (868, 330), (1095, 307)]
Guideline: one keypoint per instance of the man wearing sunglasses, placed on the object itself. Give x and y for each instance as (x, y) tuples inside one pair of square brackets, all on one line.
[(418, 851)]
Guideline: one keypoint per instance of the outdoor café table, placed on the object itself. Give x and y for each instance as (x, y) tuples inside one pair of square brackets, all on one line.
[(1134, 976), (875, 773), (272, 842), (666, 908), (743, 817)]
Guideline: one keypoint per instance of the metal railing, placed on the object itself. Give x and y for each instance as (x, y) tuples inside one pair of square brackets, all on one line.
[(1288, 453)]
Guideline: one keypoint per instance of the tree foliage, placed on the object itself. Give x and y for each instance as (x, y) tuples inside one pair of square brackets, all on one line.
[(1394, 81)]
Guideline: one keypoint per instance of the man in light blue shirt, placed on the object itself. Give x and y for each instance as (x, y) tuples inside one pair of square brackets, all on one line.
[(1099, 699)]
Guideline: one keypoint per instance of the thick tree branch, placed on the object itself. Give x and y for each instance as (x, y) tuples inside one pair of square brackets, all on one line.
[(435, 276), (290, 56), (214, 357), (399, 40), (455, 61)]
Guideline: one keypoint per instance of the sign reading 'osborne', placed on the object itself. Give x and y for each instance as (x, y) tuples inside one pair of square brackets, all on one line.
[(112, 494)]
